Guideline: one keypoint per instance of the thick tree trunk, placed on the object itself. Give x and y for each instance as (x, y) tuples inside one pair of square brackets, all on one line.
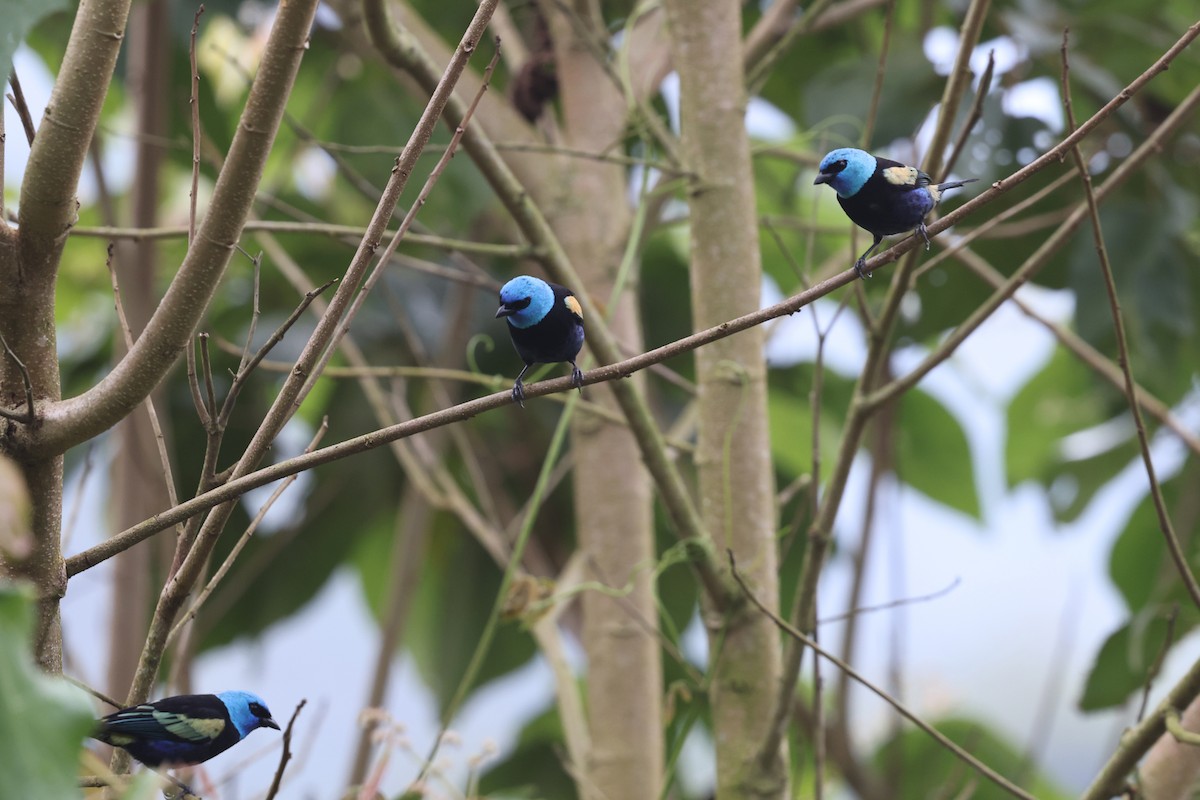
[(590, 213), (733, 452), (139, 491)]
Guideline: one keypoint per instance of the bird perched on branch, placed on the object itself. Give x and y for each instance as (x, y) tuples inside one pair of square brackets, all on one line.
[(545, 323), (885, 197), (186, 729)]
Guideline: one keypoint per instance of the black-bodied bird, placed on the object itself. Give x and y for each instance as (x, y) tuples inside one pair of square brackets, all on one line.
[(545, 323), (885, 197), (186, 729)]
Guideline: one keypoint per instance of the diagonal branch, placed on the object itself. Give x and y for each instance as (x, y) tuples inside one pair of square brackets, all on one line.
[(941, 738), (403, 52), (48, 206), (78, 419), (294, 388), (1160, 506)]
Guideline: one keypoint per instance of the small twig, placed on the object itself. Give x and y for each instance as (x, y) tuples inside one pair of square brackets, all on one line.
[(243, 373), (202, 411), (356, 232), (758, 71), (405, 224), (877, 88), (1156, 667), (286, 755), (160, 441), (210, 392), (28, 417), (17, 98), (227, 564), (1176, 729), (1136, 741), (938, 736), (255, 312), (194, 102), (903, 601), (96, 693), (974, 115), (818, 719), (1160, 506)]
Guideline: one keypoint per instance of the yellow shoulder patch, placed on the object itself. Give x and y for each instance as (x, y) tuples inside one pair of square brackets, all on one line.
[(573, 305), (901, 176), (191, 728)]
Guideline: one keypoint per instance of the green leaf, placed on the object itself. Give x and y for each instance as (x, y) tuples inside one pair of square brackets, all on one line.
[(1124, 662), (1063, 399), (43, 719), (933, 455), (534, 769), (930, 770), (1140, 565), (19, 18)]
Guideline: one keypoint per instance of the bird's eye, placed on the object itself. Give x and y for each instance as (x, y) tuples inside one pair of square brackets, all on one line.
[(839, 165), (257, 710), (521, 304)]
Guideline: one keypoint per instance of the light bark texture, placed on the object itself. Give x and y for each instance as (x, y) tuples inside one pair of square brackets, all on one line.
[(588, 208), (733, 453), (139, 489), (1171, 769), (28, 270)]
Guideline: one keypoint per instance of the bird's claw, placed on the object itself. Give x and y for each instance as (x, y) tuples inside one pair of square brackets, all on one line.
[(518, 393), (924, 235), (860, 268), (577, 378)]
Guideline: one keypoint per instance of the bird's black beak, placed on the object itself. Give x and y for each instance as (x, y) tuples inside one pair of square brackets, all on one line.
[(824, 177), (269, 722), (505, 311)]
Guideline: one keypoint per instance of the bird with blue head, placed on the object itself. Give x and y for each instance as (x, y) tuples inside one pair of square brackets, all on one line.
[(882, 196), (184, 730), (545, 322)]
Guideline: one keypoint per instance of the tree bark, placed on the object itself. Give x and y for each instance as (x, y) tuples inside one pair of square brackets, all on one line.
[(588, 208), (139, 491), (733, 452), (28, 271)]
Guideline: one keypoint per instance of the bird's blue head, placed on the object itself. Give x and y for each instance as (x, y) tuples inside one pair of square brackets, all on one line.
[(846, 170), (525, 300), (248, 711)]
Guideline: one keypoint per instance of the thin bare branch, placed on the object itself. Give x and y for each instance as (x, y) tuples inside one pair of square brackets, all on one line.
[(286, 755), (194, 104), (974, 115), (227, 564), (1174, 546), (17, 98), (317, 229), (970, 760), (28, 416)]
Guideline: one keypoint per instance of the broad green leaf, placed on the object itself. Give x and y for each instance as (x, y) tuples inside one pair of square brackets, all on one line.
[(932, 454), (1063, 399), (930, 770), (43, 719), (534, 769), (1140, 564), (1124, 662)]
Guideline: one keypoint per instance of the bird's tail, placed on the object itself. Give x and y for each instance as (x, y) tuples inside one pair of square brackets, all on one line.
[(941, 187)]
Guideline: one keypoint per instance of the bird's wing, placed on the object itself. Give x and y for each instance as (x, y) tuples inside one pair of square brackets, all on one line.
[(902, 176), (147, 722)]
